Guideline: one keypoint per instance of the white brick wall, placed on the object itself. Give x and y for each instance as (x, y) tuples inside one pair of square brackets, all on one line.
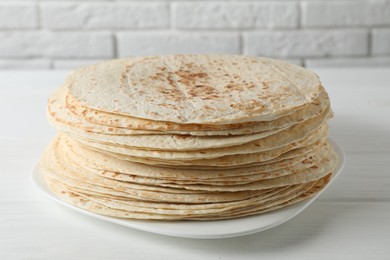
[(153, 43), (235, 15), (26, 44), (64, 34), (345, 13), (27, 15), (307, 43), (104, 15)]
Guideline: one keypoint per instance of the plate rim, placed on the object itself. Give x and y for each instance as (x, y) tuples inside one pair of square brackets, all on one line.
[(147, 225)]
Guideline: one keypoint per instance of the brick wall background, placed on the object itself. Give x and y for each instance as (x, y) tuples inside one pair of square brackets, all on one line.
[(66, 34)]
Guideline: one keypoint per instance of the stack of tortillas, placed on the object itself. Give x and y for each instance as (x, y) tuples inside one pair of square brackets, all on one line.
[(201, 137)]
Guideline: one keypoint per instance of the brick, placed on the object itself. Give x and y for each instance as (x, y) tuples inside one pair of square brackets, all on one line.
[(306, 43), (379, 12), (223, 15), (30, 64), (349, 62), (73, 64), (148, 43), (381, 41), (345, 13), (104, 15), (21, 15), (55, 44)]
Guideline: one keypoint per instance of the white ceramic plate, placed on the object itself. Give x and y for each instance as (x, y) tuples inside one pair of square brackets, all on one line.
[(202, 229)]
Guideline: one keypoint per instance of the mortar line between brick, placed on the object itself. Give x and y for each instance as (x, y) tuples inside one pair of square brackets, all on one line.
[(51, 64), (39, 15), (40, 28), (300, 17), (369, 44), (171, 17), (114, 45), (241, 43), (304, 62)]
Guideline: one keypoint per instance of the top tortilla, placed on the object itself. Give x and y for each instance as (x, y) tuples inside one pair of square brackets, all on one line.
[(195, 89)]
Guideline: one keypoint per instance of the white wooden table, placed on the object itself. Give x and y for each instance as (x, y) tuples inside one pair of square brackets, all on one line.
[(351, 220)]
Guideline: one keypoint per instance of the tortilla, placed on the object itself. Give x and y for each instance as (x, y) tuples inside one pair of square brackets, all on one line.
[(189, 137)]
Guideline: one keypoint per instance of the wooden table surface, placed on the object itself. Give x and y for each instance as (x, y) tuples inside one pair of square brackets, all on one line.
[(350, 220)]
